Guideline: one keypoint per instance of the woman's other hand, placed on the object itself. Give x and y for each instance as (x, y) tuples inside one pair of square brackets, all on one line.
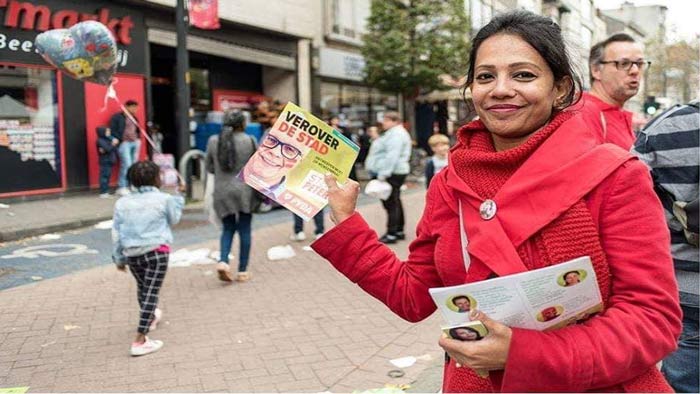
[(487, 354), (341, 199)]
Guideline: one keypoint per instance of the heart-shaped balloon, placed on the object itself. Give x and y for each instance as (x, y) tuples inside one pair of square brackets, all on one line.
[(87, 51)]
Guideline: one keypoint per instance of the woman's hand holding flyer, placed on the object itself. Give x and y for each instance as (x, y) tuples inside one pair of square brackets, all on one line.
[(341, 199)]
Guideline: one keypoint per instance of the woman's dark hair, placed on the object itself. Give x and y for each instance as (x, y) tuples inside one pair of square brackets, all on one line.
[(234, 121), (144, 173), (539, 32), (453, 333)]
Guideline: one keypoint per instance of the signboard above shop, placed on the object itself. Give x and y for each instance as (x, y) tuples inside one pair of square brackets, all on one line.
[(341, 64), (21, 21)]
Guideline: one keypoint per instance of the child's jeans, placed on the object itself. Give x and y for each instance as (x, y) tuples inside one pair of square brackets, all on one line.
[(105, 174), (318, 221), (149, 271)]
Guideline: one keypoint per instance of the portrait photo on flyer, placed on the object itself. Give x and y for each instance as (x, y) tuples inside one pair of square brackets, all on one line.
[(292, 159)]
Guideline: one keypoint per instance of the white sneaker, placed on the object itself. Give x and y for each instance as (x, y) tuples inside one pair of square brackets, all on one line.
[(319, 235), (105, 195), (123, 191), (300, 236), (150, 346)]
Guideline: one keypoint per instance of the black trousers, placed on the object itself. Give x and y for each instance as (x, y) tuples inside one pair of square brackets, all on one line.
[(149, 271), (393, 206)]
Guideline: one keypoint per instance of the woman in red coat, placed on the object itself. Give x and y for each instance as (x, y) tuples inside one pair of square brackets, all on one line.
[(527, 186)]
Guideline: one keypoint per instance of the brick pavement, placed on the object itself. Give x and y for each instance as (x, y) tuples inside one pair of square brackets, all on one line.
[(298, 326)]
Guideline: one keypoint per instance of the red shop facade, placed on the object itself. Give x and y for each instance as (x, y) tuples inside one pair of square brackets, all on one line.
[(48, 121)]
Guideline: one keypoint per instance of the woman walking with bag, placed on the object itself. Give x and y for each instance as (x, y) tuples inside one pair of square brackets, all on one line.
[(234, 201)]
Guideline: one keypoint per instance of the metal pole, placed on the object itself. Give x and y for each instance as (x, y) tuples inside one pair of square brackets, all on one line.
[(182, 77)]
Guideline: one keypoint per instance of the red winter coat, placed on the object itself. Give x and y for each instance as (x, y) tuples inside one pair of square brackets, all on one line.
[(615, 350)]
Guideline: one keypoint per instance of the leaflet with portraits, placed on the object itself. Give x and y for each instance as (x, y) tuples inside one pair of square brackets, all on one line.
[(293, 158), (542, 299)]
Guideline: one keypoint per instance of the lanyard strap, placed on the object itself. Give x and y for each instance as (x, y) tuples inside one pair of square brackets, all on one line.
[(464, 242)]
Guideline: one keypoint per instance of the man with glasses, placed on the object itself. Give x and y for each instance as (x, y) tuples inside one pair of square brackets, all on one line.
[(616, 69), (268, 166)]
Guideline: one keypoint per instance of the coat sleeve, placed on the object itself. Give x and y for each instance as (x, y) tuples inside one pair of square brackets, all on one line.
[(643, 319), (353, 249)]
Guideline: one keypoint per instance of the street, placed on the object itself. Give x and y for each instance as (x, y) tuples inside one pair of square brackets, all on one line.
[(297, 326)]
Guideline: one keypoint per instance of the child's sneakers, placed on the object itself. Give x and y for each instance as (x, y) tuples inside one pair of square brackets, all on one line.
[(149, 346), (157, 315)]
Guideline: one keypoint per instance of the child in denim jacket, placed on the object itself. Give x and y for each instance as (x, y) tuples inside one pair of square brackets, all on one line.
[(141, 235)]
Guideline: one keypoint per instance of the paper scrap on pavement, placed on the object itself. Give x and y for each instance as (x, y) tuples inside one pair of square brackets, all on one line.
[(403, 362), (106, 225), (14, 390), (50, 237), (425, 357), (185, 257), (280, 252), (307, 248), (4, 206), (37, 278), (70, 327)]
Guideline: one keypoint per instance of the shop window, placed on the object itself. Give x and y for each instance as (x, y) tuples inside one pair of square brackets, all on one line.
[(30, 140)]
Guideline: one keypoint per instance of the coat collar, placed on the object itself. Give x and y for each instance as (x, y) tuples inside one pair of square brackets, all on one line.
[(537, 193)]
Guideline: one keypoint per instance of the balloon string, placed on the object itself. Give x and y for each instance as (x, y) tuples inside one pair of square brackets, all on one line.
[(111, 93)]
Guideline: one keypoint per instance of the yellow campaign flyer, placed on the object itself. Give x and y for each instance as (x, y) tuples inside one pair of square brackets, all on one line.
[(293, 157)]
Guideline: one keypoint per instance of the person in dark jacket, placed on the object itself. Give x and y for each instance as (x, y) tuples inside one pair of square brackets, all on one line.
[(107, 151)]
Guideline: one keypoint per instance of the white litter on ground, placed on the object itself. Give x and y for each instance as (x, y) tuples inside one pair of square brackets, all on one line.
[(106, 225), (69, 327), (307, 248), (403, 362), (50, 237), (185, 257), (280, 252), (4, 206)]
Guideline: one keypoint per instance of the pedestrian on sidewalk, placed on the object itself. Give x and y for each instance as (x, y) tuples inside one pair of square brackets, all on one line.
[(127, 132), (142, 237), (107, 152), (388, 158), (299, 235), (529, 186), (234, 201)]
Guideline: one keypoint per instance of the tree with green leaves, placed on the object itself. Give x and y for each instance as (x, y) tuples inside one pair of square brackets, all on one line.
[(410, 43)]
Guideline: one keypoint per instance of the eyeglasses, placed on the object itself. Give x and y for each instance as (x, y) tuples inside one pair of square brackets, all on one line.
[(288, 151), (626, 65)]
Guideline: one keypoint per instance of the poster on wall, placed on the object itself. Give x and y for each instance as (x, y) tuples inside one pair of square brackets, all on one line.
[(30, 143)]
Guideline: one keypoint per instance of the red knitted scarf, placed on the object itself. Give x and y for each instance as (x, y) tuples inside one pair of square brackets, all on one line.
[(573, 234)]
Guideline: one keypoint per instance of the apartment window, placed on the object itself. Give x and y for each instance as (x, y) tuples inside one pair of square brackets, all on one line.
[(348, 18)]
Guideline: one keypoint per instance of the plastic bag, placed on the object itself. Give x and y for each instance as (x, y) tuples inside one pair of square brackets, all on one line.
[(378, 189)]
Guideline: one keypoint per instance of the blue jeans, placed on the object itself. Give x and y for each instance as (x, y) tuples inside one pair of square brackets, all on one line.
[(681, 367), (128, 155), (105, 174), (318, 221), (231, 225)]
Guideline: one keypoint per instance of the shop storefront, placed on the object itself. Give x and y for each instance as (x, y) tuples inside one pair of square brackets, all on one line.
[(234, 67), (342, 92), (47, 120)]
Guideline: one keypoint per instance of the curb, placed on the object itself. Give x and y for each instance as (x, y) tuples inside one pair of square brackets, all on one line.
[(21, 233)]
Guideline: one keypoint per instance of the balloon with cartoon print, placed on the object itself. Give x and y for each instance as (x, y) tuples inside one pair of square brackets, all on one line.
[(87, 51)]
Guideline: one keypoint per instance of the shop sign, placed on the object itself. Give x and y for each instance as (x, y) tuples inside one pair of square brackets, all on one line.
[(21, 21), (341, 64)]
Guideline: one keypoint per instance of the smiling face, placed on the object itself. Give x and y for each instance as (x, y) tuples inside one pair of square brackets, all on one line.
[(465, 334), (572, 278), (514, 91), (616, 85), (549, 313), (278, 154), (462, 304)]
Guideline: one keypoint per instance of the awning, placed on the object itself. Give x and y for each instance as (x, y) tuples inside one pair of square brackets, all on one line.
[(223, 49)]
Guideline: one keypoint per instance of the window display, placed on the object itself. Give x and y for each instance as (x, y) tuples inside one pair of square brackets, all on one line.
[(30, 153)]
